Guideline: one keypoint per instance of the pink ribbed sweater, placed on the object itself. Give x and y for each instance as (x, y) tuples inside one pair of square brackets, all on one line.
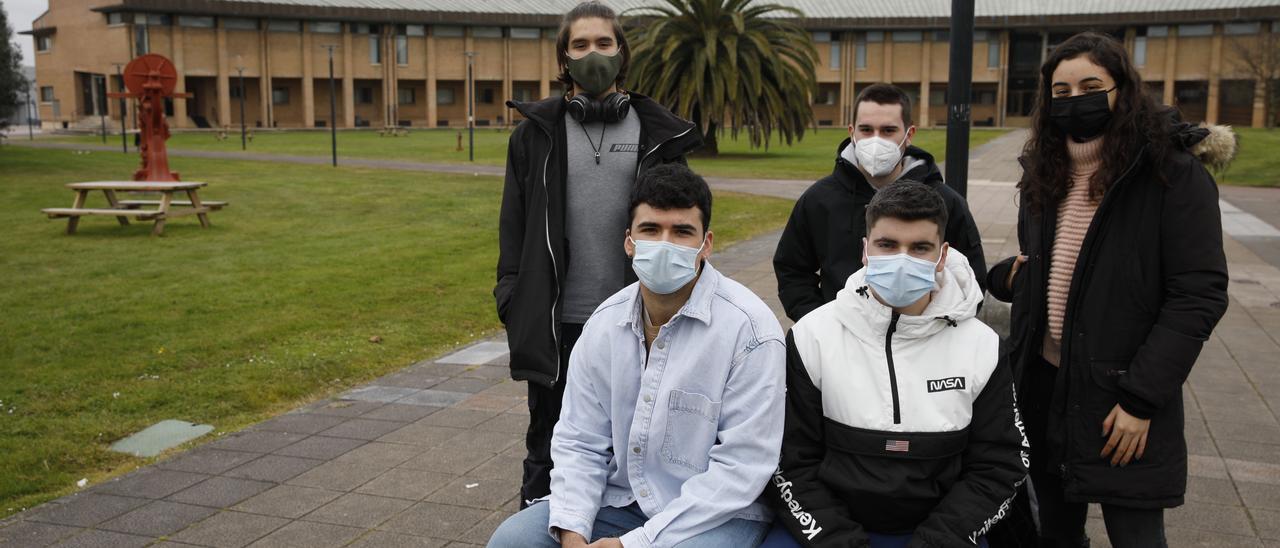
[(1075, 213)]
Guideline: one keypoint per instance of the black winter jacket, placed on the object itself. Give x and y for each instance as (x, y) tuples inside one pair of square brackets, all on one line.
[(533, 248), (822, 243), (1149, 286)]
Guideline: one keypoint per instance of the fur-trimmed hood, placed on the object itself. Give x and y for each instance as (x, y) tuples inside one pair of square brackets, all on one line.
[(1215, 145)]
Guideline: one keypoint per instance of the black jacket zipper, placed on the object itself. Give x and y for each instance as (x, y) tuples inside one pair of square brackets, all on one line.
[(893, 375)]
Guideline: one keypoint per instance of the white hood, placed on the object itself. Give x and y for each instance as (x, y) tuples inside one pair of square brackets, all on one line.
[(955, 300)]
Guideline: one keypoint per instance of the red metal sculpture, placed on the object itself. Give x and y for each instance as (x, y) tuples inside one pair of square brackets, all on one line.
[(150, 79)]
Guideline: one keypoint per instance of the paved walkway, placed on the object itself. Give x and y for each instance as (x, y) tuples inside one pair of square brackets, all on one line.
[(430, 455)]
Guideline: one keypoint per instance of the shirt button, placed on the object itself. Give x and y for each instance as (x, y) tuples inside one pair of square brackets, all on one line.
[(636, 450), (662, 345), (644, 493), (648, 398)]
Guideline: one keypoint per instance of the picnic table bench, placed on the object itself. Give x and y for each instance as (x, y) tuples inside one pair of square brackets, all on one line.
[(166, 206)]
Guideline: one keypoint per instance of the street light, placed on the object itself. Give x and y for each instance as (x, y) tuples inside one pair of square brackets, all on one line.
[(102, 103), (240, 73), (124, 143), (471, 106), (959, 80), (31, 132), (333, 106)]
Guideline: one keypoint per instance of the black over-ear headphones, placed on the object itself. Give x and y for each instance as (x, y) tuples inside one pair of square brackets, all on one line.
[(612, 109)]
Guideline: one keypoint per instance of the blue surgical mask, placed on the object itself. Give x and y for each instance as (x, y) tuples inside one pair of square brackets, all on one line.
[(664, 267), (900, 280)]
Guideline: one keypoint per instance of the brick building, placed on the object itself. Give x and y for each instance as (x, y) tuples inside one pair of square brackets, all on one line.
[(404, 62)]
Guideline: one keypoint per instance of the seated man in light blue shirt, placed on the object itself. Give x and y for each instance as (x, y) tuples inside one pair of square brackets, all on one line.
[(673, 412)]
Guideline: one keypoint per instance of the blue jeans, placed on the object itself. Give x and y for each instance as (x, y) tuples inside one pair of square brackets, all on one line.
[(780, 538), (528, 529)]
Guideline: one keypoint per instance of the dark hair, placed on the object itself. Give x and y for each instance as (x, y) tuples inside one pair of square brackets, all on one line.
[(1136, 121), (885, 94), (672, 186), (592, 8), (908, 200)]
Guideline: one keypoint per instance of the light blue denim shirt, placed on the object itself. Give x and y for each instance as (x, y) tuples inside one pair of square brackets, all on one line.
[(692, 436)]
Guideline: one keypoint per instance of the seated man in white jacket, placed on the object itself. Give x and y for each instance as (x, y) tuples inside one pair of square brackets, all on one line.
[(901, 428)]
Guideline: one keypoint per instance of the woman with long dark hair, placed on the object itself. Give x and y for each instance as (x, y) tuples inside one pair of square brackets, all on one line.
[(1120, 281)]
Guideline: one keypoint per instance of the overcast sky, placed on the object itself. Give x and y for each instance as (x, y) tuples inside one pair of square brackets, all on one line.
[(21, 13)]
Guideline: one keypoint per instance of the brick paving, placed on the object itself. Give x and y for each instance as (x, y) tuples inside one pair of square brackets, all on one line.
[(430, 455)]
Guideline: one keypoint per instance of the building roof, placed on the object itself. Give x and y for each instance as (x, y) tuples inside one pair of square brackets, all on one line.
[(848, 13)]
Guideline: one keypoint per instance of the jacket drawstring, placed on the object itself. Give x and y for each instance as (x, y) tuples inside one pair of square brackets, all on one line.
[(947, 319)]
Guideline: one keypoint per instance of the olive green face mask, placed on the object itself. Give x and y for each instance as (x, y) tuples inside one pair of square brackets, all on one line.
[(595, 72)]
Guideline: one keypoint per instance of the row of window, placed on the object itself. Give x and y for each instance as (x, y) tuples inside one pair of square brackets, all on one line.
[(325, 27), (364, 95)]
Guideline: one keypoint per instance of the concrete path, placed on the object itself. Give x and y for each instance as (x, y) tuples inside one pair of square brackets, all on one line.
[(430, 455)]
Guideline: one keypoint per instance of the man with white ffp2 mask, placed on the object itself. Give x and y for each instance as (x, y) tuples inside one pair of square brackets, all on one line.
[(672, 417), (822, 243)]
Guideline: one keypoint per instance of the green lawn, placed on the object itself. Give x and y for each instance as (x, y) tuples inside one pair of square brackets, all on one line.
[(1256, 163), (111, 330), (808, 159)]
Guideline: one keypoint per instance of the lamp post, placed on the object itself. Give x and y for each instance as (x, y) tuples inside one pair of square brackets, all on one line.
[(471, 107), (333, 106), (101, 105), (124, 143), (31, 132), (240, 74), (958, 95)]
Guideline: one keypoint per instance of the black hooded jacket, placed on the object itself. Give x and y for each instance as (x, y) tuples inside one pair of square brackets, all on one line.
[(822, 243), (533, 246), (1149, 286)]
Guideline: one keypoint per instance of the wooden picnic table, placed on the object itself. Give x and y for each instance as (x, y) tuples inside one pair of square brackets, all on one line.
[(123, 209)]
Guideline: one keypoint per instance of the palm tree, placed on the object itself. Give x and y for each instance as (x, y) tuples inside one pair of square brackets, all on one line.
[(726, 62)]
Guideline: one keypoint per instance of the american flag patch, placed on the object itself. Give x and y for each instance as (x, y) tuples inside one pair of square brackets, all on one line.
[(900, 446)]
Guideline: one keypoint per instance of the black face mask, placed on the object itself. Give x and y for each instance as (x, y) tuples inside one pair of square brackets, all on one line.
[(1083, 116)]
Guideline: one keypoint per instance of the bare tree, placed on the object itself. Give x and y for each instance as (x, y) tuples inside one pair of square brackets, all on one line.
[(1259, 57)]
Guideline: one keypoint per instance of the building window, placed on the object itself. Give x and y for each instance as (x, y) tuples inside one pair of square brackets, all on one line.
[(444, 96), (524, 33), (821, 36), (945, 36), (993, 52), (523, 94), (116, 18), (196, 21), (486, 96), (407, 96), (1158, 31), (46, 94), (240, 23), (402, 49), (1191, 31), (980, 35), (284, 25), (364, 28), (835, 55), (446, 31), (486, 32), (1140, 51), (415, 30), (157, 20), (860, 52), (908, 36), (141, 40), (365, 95), (875, 36), (279, 96), (1237, 29), (44, 43), (326, 27), (375, 49)]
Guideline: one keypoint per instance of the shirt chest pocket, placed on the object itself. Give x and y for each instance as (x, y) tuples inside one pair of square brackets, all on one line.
[(692, 424)]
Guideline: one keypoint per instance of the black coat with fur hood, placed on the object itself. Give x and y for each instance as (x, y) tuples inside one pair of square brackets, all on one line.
[(1149, 286)]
